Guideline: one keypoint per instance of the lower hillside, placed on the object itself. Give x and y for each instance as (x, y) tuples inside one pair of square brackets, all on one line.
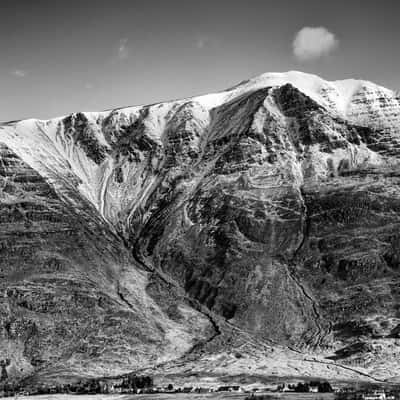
[(74, 303)]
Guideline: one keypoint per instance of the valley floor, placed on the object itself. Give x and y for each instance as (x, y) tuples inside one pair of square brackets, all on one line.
[(184, 396)]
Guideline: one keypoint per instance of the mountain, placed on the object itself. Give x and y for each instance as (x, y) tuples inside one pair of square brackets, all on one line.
[(248, 233)]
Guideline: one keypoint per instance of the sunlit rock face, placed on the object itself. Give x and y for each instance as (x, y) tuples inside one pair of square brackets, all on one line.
[(272, 207)]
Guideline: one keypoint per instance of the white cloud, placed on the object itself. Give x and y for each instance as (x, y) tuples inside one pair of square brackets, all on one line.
[(123, 50), (311, 43), (19, 73)]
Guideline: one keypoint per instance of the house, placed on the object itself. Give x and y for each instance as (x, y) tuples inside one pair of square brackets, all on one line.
[(375, 395)]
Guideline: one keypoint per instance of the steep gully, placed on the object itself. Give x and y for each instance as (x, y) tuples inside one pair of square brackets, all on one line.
[(291, 269), (320, 334), (194, 303)]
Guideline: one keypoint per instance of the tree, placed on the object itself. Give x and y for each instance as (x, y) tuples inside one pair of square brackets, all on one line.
[(4, 364), (302, 387), (324, 387)]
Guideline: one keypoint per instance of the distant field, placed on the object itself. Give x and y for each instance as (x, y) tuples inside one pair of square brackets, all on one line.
[(183, 396)]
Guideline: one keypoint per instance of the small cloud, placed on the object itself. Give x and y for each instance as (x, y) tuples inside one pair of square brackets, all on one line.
[(88, 86), (123, 50), (19, 73), (202, 41), (311, 43)]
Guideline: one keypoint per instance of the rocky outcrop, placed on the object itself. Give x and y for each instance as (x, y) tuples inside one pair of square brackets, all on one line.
[(265, 214)]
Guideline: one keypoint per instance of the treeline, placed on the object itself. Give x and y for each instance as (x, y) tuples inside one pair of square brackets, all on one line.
[(304, 387), (322, 387), (122, 384), (9, 389)]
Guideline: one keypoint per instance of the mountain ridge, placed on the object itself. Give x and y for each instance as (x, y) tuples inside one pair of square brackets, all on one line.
[(274, 79)]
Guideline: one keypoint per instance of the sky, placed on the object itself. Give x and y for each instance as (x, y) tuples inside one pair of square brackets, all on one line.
[(59, 56)]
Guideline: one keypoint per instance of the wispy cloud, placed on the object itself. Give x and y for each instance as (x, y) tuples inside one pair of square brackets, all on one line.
[(88, 86), (311, 43), (123, 49), (19, 73)]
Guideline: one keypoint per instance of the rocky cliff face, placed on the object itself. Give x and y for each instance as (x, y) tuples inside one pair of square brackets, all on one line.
[(263, 219)]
